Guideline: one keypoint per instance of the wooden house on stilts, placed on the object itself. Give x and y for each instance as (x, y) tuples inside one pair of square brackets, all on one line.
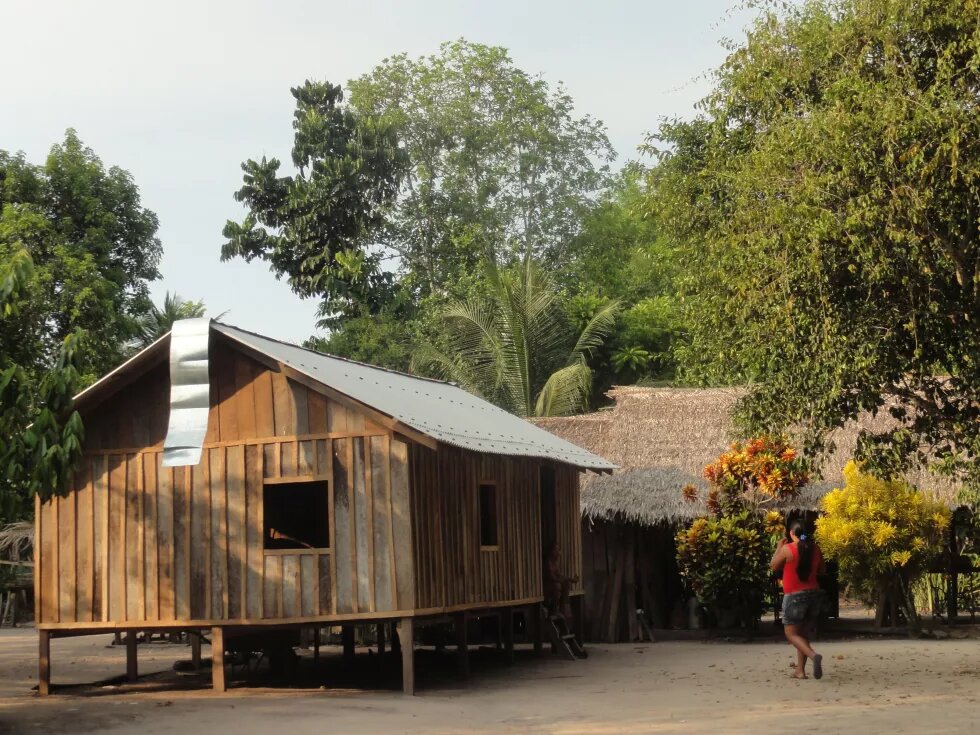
[(233, 483)]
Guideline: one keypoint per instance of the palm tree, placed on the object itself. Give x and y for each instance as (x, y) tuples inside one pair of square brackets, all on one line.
[(157, 322), (516, 347)]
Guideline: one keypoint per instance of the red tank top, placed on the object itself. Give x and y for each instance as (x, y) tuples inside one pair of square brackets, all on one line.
[(791, 579)]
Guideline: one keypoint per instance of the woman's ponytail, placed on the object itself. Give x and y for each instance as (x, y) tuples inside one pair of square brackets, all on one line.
[(804, 548)]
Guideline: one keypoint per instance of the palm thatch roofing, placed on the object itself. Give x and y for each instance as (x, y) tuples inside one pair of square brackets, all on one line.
[(662, 438)]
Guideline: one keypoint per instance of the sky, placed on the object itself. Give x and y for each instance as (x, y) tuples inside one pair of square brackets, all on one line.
[(180, 93)]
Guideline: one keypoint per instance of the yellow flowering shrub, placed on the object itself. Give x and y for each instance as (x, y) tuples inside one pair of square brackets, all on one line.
[(882, 534)]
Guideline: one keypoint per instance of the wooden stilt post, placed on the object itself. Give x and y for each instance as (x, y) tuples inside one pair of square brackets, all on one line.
[(316, 644), (218, 659), (44, 663), (381, 639), (347, 637), (196, 650), (537, 630), (406, 637), (462, 651), (131, 672), (507, 622)]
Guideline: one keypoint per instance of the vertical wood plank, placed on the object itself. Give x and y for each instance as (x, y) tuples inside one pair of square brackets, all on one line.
[(235, 474), (224, 372), (116, 538), (326, 467), (265, 421), (66, 557), (219, 535), (336, 417), (38, 560), (309, 585), (305, 461), (343, 553), (380, 551), (254, 512), (84, 550), (182, 538), (151, 569), (389, 528), (165, 542), (282, 405), (200, 544), (134, 482), (48, 545), (317, 406), (401, 512), (291, 586), (272, 582), (362, 531), (289, 460), (324, 585), (245, 373), (301, 412)]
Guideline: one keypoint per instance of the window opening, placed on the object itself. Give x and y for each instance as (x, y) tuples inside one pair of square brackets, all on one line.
[(488, 515), (296, 515)]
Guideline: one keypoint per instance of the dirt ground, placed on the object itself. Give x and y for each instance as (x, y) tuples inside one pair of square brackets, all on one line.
[(879, 686)]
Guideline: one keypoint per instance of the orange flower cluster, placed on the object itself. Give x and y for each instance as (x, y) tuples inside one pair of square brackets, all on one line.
[(766, 468)]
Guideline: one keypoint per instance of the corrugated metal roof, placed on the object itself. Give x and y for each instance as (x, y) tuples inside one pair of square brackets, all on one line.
[(440, 410)]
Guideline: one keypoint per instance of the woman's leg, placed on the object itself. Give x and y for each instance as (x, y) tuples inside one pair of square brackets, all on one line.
[(796, 637)]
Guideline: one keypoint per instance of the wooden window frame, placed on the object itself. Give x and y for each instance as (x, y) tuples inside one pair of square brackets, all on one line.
[(496, 515), (294, 480)]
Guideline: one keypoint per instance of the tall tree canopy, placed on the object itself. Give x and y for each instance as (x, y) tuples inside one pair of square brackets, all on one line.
[(93, 248), (619, 255), (317, 227), (498, 159), (40, 437), (827, 199)]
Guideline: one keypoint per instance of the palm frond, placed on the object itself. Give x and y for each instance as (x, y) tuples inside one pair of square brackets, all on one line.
[(596, 331), (16, 540), (566, 391)]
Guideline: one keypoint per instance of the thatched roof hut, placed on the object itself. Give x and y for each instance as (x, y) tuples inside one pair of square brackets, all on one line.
[(662, 438)]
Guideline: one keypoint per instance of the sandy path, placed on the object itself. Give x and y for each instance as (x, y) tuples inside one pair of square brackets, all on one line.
[(893, 686)]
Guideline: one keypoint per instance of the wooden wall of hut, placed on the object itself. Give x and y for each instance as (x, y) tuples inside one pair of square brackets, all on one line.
[(453, 568), (137, 543), (628, 567)]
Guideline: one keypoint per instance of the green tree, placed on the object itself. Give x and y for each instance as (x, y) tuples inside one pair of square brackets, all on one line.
[(515, 347), (317, 227), (93, 249), (827, 201), (619, 254), (377, 339), (40, 436), (497, 161), (160, 320)]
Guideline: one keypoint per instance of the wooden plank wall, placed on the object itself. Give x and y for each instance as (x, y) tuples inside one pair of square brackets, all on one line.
[(568, 523), (451, 568), (137, 542)]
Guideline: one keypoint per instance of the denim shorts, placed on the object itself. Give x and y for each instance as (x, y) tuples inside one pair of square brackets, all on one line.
[(802, 607)]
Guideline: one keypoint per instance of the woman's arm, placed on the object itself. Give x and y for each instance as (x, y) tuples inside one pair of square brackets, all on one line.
[(780, 557)]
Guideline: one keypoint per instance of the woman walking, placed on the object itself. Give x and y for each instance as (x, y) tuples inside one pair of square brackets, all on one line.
[(800, 560)]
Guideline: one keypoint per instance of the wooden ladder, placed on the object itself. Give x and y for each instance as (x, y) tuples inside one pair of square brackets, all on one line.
[(563, 640)]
